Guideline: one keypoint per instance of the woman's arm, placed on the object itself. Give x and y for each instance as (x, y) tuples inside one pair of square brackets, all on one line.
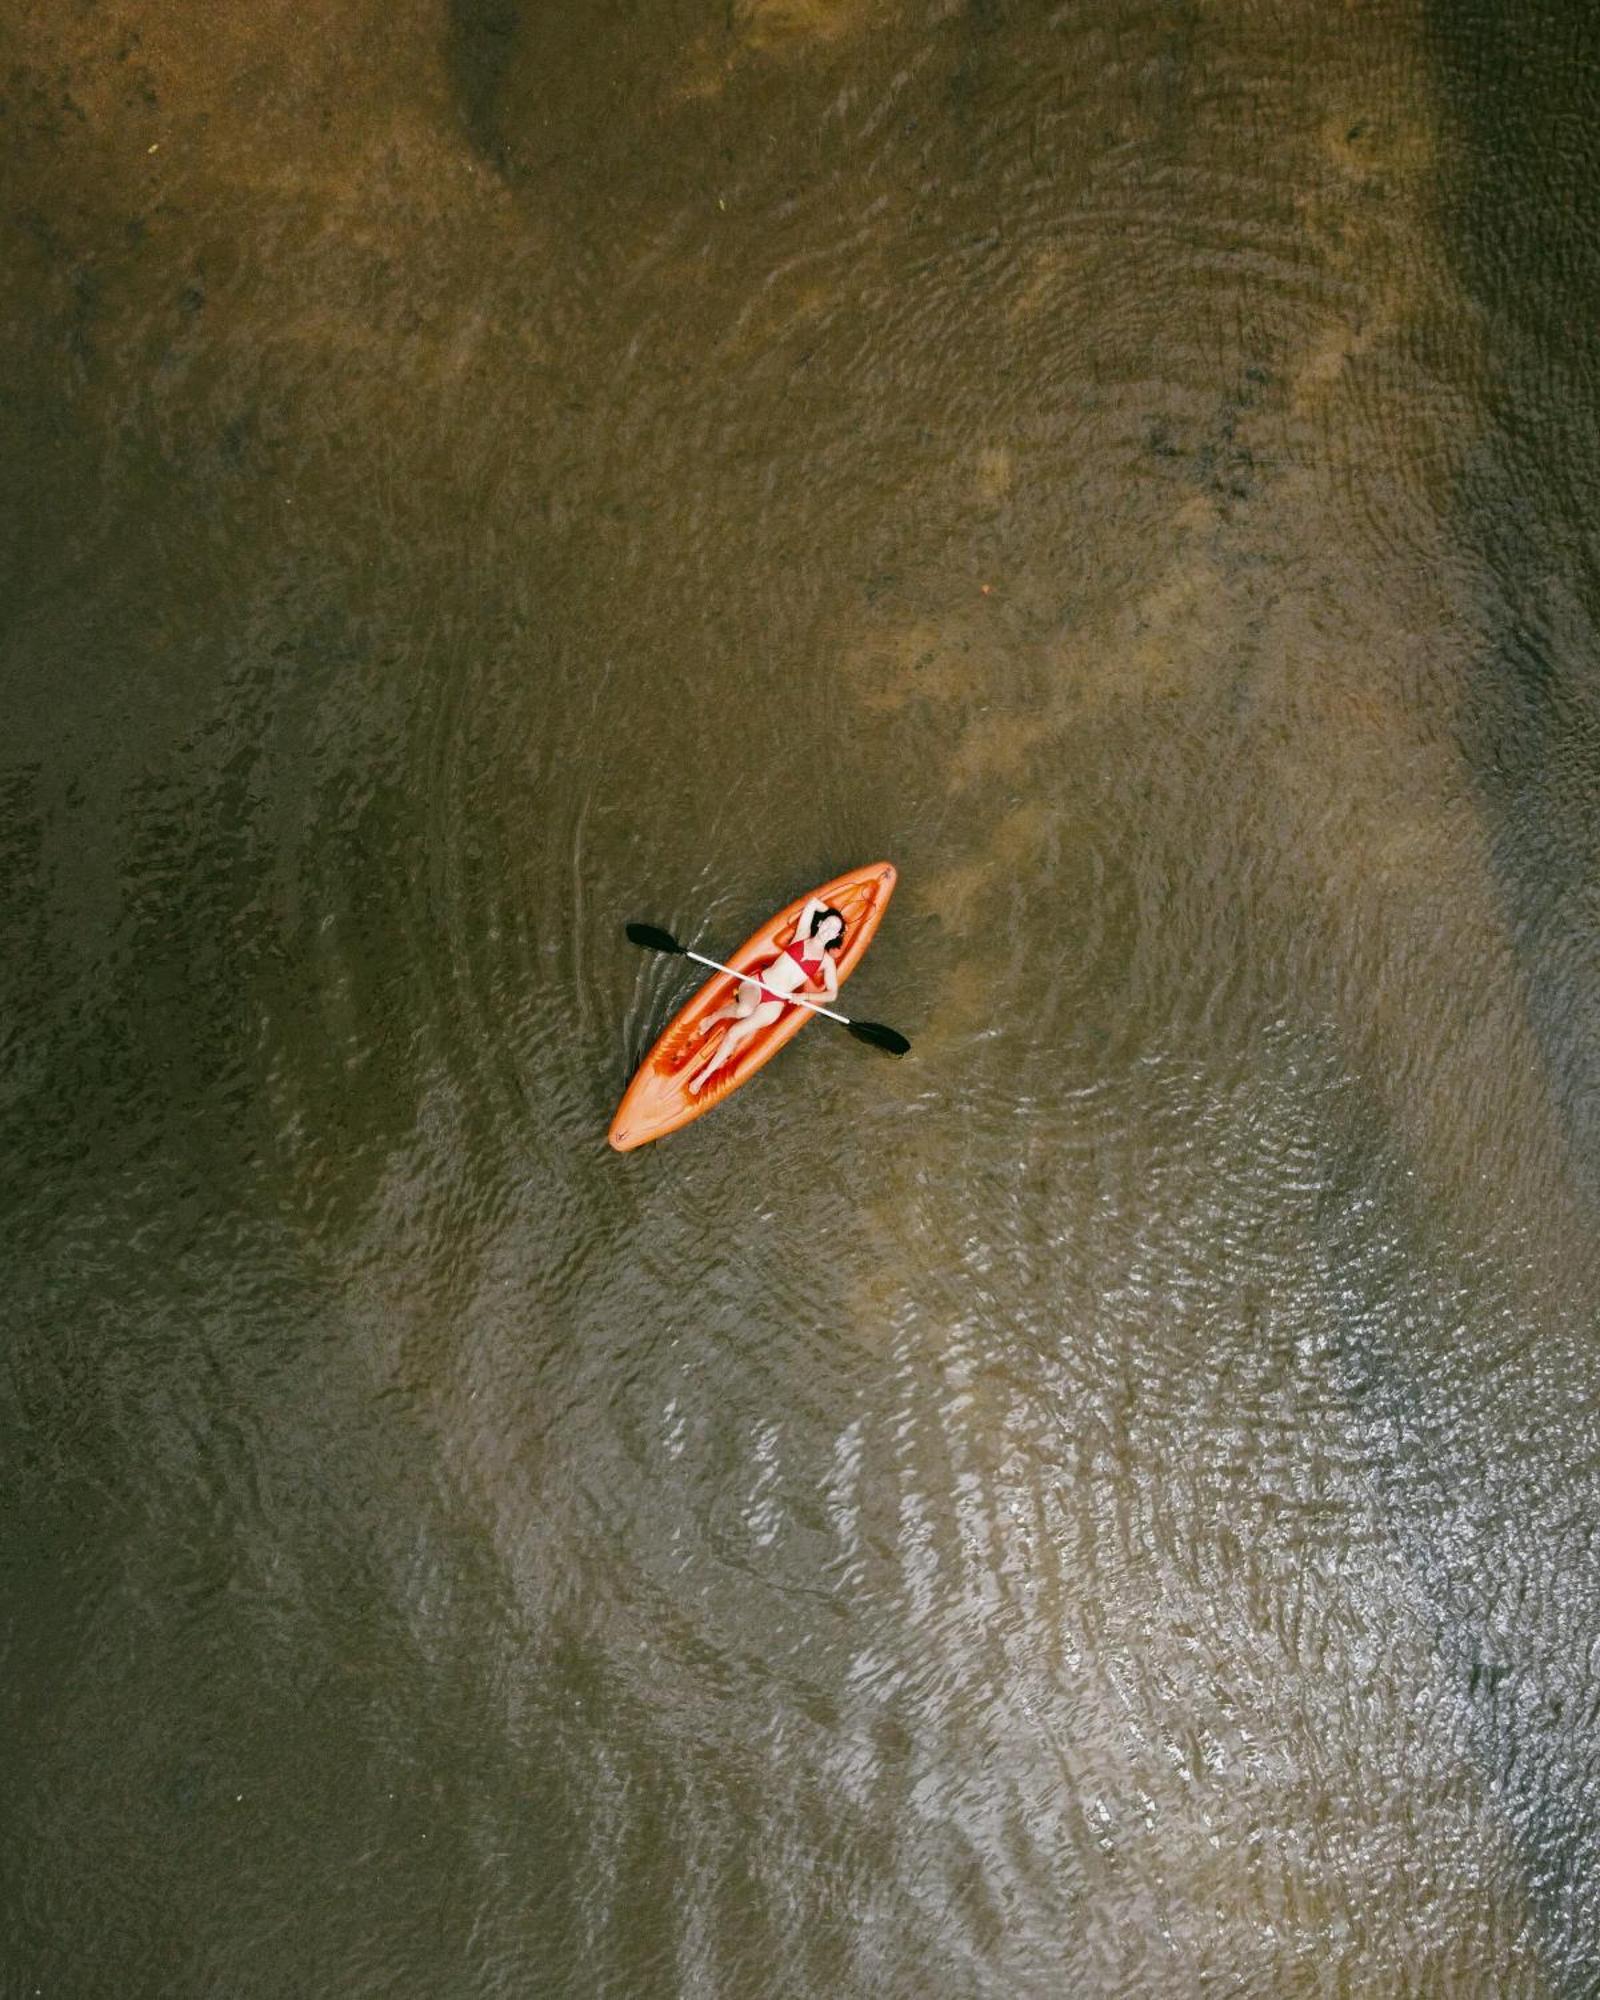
[(830, 976), (808, 916)]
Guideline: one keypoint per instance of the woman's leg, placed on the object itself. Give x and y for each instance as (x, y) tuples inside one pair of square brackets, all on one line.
[(742, 1003), (706, 1057), (735, 1038)]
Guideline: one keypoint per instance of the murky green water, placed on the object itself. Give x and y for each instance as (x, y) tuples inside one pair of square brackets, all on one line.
[(1105, 1505)]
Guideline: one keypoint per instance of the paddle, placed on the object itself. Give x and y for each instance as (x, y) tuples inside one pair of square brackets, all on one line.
[(874, 1033)]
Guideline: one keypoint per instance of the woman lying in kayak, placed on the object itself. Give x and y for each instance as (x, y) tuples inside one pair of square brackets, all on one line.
[(804, 966)]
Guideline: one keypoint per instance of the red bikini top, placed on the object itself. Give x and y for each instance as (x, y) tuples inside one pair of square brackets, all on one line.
[(809, 966)]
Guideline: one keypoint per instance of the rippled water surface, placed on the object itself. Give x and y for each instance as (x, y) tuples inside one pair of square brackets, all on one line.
[(1106, 1505)]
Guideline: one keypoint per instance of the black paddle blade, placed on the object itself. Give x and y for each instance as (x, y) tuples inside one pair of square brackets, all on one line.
[(653, 939), (879, 1037)]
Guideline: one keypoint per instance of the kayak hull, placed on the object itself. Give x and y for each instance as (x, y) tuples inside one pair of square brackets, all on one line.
[(657, 1101)]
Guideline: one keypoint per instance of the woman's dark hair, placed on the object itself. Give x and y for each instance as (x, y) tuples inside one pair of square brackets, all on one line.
[(828, 910)]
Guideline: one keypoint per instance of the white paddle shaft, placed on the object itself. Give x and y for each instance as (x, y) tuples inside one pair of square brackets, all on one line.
[(749, 978)]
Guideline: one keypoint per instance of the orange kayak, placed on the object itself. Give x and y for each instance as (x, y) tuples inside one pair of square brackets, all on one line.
[(658, 1101)]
